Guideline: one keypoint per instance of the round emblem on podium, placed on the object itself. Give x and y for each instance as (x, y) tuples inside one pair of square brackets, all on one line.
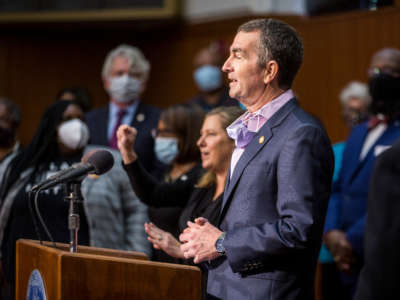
[(36, 290)]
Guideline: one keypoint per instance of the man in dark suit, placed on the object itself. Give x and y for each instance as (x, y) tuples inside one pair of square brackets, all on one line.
[(125, 73), (278, 187), (379, 278), (345, 221)]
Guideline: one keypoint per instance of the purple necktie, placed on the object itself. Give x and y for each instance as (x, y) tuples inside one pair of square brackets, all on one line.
[(240, 132), (114, 141), (376, 120)]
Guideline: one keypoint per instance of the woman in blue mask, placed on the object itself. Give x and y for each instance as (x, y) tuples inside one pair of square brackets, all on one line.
[(175, 145), (199, 197)]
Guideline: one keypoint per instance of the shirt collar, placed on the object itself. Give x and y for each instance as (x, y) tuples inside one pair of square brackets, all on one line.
[(268, 110), (129, 109), (273, 106)]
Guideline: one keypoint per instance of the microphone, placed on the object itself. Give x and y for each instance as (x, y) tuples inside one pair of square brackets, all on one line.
[(95, 162)]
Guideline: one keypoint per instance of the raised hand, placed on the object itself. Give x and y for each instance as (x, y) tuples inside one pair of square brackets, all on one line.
[(126, 136)]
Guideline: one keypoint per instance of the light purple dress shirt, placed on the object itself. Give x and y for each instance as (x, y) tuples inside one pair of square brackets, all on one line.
[(252, 123)]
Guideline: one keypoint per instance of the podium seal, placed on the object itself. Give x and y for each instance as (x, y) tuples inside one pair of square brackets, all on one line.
[(36, 290)]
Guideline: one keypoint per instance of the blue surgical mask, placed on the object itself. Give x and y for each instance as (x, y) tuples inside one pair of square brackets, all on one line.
[(242, 106), (166, 149), (208, 78)]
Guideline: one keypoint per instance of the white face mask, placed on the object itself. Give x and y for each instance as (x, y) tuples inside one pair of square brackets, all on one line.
[(124, 88), (74, 134)]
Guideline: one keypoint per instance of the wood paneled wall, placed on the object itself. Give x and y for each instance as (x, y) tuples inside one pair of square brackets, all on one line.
[(38, 60)]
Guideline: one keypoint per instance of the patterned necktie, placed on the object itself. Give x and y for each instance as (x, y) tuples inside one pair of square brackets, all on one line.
[(244, 130), (114, 141)]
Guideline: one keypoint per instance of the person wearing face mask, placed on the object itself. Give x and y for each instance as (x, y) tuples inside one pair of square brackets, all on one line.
[(209, 79), (10, 118), (110, 216), (125, 73), (355, 100), (175, 145), (345, 221), (206, 193)]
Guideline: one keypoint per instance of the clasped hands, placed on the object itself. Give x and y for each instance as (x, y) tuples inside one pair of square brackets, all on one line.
[(198, 240), (341, 249)]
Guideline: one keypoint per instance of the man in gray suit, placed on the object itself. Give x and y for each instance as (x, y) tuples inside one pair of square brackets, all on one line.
[(278, 187)]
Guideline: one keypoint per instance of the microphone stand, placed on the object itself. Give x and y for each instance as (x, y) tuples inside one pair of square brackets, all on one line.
[(74, 196)]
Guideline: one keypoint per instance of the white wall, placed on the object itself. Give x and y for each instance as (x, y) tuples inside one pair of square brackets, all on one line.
[(201, 10)]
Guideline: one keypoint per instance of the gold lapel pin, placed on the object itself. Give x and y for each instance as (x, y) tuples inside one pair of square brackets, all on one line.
[(261, 140), (140, 117)]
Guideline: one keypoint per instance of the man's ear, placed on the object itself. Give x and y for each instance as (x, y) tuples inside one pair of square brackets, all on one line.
[(271, 71)]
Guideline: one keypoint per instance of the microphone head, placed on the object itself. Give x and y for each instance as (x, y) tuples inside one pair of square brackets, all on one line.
[(101, 160)]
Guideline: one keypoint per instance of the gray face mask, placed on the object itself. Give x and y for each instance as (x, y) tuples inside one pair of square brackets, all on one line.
[(124, 88), (74, 134), (166, 149), (354, 117)]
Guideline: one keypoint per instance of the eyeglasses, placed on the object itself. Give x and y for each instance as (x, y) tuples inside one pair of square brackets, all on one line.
[(384, 70), (161, 132)]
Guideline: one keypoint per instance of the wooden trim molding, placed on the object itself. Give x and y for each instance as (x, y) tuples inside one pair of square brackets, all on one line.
[(170, 8)]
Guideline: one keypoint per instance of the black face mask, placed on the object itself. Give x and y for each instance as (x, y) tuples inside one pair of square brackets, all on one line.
[(7, 136), (385, 93)]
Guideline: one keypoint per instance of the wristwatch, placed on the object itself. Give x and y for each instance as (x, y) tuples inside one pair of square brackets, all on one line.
[(219, 244)]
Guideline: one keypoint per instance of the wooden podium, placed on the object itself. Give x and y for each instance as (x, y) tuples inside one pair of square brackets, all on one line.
[(98, 273)]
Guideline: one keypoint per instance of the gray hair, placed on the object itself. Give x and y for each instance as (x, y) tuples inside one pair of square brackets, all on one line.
[(279, 42), (139, 64), (13, 110), (355, 89)]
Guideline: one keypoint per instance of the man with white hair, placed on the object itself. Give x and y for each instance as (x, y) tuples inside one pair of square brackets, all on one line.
[(125, 73), (355, 100)]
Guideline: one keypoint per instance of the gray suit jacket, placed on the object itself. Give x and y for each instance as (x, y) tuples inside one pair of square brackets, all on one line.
[(273, 211), (115, 214)]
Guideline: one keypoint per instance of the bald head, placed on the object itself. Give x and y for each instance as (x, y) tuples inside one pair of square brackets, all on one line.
[(387, 60)]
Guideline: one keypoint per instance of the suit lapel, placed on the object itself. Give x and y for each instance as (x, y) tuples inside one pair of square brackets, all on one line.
[(359, 141), (384, 138), (102, 127), (139, 116), (259, 141), (251, 150)]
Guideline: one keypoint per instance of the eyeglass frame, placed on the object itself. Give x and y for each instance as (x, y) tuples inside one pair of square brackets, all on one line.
[(155, 132), (385, 70)]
